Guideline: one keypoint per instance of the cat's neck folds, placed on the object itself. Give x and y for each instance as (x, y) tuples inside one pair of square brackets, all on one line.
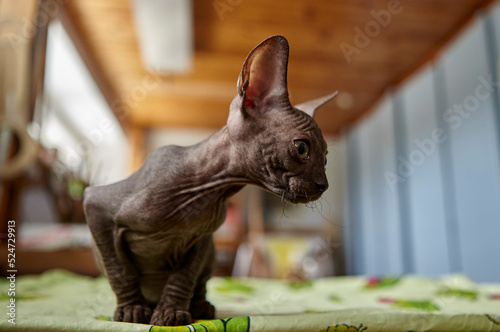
[(218, 164)]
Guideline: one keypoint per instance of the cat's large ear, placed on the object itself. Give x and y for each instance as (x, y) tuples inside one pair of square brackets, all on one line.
[(262, 81), (311, 106)]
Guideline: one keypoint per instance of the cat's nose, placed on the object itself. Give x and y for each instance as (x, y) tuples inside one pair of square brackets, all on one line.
[(322, 186)]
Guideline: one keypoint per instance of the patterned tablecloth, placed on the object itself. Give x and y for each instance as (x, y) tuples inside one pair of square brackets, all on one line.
[(62, 301)]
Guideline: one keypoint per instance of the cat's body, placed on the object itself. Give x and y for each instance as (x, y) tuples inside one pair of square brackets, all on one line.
[(153, 229)]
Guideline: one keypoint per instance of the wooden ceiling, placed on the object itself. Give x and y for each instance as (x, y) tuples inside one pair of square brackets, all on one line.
[(104, 33)]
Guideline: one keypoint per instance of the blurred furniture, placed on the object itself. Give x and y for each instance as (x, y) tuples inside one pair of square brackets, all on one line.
[(77, 260), (297, 252), (27, 169)]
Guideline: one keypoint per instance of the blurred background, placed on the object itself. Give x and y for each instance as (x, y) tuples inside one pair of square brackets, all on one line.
[(89, 87)]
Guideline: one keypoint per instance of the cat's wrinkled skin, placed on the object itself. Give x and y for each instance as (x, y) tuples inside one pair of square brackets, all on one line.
[(153, 230)]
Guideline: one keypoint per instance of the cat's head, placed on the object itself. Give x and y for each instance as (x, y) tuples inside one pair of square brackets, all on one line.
[(283, 147)]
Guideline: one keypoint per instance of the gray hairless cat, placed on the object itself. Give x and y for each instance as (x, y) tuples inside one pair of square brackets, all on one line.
[(153, 230)]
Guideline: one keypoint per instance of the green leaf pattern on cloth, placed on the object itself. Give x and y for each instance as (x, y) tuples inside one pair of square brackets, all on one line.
[(466, 294), (421, 305), (345, 328), (232, 285), (381, 282), (298, 285)]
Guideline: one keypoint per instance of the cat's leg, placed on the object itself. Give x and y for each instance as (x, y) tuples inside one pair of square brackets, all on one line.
[(122, 276), (172, 308), (200, 308)]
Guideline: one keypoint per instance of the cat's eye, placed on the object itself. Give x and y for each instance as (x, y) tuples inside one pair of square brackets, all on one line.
[(302, 149)]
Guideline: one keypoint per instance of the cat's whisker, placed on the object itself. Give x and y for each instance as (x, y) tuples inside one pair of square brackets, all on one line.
[(320, 211), (311, 205), (283, 200), (283, 213), (320, 202)]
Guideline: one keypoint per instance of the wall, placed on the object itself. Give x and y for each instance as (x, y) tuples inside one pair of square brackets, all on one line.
[(423, 169)]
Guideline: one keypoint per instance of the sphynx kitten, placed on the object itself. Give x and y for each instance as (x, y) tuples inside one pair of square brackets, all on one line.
[(153, 230)]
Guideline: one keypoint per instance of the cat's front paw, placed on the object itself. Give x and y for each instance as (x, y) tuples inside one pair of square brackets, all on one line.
[(170, 316), (133, 313), (202, 309)]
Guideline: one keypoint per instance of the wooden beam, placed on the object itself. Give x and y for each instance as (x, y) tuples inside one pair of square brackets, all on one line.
[(137, 141), (184, 111)]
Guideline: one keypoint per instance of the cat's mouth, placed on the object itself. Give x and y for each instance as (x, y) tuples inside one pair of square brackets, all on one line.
[(301, 197)]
